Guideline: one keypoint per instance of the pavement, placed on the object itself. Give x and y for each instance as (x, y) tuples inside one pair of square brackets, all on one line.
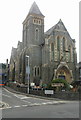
[(2, 104), (23, 105), (31, 100)]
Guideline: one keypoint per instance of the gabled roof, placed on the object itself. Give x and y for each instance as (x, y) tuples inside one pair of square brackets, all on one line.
[(35, 10), (59, 26)]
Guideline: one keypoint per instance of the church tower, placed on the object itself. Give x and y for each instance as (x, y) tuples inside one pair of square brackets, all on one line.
[(33, 38)]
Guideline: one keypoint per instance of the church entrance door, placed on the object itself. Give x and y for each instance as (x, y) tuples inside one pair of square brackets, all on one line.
[(62, 77), (64, 73)]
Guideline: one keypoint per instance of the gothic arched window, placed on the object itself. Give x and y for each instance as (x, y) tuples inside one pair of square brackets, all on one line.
[(35, 71), (52, 51), (64, 45), (52, 47), (38, 71), (58, 43), (69, 48), (37, 34), (20, 64)]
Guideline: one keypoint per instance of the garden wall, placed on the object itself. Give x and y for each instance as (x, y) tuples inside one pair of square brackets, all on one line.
[(65, 95)]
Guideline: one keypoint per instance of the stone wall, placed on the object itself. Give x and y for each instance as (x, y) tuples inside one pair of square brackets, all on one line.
[(65, 95)]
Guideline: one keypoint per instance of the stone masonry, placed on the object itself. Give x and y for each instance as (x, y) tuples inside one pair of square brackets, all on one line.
[(52, 54)]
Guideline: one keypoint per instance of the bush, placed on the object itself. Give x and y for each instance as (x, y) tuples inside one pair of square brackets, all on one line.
[(49, 86), (66, 85), (43, 85)]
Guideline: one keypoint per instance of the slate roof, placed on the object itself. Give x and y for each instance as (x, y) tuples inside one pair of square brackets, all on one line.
[(58, 26), (35, 10)]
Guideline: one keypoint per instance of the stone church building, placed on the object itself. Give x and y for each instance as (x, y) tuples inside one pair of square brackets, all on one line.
[(52, 54)]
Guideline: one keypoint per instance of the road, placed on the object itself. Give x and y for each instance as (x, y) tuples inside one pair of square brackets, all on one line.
[(22, 106)]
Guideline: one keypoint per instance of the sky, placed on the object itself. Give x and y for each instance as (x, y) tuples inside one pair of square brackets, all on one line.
[(13, 13)]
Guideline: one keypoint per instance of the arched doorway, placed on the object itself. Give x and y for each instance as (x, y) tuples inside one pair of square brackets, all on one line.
[(63, 72)]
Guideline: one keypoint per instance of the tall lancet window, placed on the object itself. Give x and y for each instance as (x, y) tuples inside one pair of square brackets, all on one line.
[(52, 47), (64, 44), (35, 71), (37, 34), (69, 48), (38, 71), (52, 51), (58, 43)]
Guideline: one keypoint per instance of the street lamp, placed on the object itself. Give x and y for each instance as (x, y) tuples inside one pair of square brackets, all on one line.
[(28, 72)]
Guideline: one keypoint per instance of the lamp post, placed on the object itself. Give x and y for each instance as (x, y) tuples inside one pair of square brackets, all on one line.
[(28, 72)]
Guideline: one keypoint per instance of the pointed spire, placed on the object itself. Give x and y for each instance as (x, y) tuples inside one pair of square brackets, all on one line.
[(35, 10), (60, 21)]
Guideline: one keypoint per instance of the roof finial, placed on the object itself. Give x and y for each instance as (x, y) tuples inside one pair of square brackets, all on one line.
[(60, 20)]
